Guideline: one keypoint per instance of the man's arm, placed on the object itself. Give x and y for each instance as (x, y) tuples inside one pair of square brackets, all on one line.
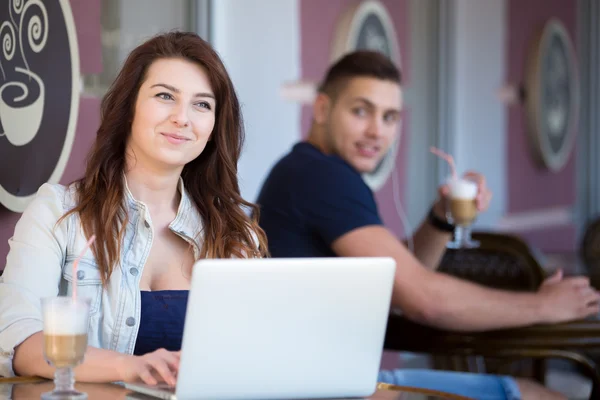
[(442, 301), (430, 242)]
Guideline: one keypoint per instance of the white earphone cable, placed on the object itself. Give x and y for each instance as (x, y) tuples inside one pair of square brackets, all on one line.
[(400, 211)]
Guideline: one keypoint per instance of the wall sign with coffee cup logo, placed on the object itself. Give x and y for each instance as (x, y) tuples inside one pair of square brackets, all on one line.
[(368, 25), (552, 96), (39, 96)]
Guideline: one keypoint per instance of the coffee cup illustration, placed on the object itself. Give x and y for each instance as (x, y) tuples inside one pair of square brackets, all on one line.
[(21, 115)]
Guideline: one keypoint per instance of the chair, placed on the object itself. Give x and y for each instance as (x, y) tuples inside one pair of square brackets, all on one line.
[(503, 262), (590, 251)]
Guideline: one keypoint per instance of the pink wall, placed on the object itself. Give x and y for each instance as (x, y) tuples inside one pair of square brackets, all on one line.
[(317, 24), (531, 188), (87, 21)]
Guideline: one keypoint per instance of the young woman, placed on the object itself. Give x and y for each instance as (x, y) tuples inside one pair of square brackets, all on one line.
[(160, 191)]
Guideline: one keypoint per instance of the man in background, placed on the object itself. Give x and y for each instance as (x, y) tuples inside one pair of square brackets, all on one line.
[(314, 203)]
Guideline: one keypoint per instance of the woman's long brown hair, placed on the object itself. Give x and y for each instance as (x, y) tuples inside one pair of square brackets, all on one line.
[(210, 179)]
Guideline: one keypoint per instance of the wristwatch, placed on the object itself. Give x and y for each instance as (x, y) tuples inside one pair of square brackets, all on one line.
[(439, 223)]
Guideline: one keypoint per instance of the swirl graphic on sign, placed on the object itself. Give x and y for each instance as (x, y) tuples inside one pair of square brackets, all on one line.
[(39, 95)]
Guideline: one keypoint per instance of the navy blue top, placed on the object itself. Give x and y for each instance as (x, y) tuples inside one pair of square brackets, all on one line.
[(310, 199), (161, 321)]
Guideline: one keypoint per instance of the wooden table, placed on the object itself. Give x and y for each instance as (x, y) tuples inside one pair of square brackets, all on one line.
[(32, 388), (581, 336)]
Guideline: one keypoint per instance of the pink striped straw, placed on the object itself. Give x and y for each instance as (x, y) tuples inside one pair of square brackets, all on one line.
[(445, 156), (86, 247)]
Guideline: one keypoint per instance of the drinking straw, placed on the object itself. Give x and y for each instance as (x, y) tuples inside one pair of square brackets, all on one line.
[(445, 156)]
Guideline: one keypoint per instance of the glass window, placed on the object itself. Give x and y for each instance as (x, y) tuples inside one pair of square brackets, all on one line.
[(127, 23)]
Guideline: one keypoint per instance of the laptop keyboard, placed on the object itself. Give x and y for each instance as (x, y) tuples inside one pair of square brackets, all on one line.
[(164, 387)]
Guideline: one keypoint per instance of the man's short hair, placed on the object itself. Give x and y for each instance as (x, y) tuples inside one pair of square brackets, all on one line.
[(360, 63)]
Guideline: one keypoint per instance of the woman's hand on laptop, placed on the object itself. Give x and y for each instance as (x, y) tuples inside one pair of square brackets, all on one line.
[(151, 368)]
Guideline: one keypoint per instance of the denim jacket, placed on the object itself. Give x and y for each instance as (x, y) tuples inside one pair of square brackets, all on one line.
[(40, 262)]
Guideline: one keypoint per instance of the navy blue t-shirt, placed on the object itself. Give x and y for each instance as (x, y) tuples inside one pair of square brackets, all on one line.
[(309, 200)]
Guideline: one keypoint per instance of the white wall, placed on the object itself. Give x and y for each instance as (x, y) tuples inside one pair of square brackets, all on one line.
[(480, 120), (259, 42), (422, 98)]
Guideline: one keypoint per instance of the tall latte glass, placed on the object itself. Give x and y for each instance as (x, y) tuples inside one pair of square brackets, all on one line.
[(462, 209), (65, 341)]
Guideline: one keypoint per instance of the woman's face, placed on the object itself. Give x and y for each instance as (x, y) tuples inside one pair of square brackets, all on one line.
[(174, 115)]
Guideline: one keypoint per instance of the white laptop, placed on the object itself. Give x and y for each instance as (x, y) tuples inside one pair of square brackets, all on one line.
[(283, 329)]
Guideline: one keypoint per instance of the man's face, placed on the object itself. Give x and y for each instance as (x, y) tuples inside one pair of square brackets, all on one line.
[(362, 122)]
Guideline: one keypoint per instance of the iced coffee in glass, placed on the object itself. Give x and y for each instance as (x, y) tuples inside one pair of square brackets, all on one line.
[(66, 322), (462, 211)]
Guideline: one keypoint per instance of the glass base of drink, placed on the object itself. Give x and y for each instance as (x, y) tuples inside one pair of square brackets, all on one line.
[(462, 239), (64, 395), (64, 386)]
